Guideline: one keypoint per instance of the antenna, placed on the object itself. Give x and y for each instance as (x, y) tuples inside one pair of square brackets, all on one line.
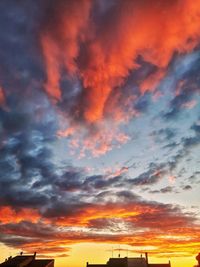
[(112, 252), (119, 251)]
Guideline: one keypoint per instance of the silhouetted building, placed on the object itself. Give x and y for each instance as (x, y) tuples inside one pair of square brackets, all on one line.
[(130, 262), (27, 261), (198, 259)]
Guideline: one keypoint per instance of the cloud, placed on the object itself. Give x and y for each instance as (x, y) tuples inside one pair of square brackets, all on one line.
[(154, 174), (7, 215), (164, 135), (63, 29), (2, 97), (106, 223), (185, 73), (187, 187), (101, 49), (164, 190)]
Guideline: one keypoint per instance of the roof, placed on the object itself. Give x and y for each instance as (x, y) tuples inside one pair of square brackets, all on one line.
[(159, 264), (137, 262), (40, 263), (129, 262), (11, 262), (117, 262)]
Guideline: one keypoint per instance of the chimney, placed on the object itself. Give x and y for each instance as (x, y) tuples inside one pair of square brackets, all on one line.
[(146, 256), (21, 253), (34, 255)]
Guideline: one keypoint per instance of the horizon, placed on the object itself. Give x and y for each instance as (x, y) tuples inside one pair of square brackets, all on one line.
[(100, 129)]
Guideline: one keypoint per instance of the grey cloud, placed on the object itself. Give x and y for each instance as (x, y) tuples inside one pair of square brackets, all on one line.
[(187, 187), (164, 190), (186, 70)]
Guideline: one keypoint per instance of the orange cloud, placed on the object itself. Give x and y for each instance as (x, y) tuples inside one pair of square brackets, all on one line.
[(140, 214), (2, 97), (60, 40), (152, 81), (97, 140), (9, 215), (153, 29), (101, 51), (171, 232)]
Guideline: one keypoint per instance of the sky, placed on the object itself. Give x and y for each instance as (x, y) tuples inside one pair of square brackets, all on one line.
[(100, 129)]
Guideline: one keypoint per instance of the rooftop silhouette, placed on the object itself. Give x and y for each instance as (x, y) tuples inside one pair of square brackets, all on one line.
[(130, 262), (27, 261), (198, 259)]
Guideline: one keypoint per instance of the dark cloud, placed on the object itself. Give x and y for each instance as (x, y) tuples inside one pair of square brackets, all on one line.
[(186, 73), (164, 190), (153, 175), (196, 128), (194, 178), (28, 123), (164, 135), (25, 156), (187, 187)]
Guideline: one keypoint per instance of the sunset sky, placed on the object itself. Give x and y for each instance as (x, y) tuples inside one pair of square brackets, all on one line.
[(100, 129)]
